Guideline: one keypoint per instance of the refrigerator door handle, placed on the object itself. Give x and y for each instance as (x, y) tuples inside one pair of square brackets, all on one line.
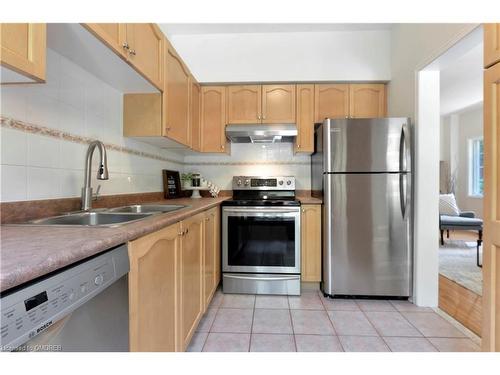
[(403, 194), (404, 149)]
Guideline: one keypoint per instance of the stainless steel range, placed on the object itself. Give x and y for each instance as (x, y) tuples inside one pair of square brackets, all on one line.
[(261, 237)]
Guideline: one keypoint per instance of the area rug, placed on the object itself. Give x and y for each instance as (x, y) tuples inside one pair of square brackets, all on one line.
[(457, 262)]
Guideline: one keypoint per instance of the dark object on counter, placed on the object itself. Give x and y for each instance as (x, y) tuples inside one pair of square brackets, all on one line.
[(171, 184), (196, 180)]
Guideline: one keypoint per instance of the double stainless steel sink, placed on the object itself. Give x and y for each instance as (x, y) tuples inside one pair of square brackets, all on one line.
[(108, 217)]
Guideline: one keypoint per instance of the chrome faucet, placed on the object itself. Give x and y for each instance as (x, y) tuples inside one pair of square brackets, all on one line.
[(102, 172)]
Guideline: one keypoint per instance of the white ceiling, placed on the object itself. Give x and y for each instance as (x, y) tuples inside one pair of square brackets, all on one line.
[(462, 81), (244, 28)]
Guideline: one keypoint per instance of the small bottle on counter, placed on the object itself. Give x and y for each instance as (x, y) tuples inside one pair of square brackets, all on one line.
[(196, 179)]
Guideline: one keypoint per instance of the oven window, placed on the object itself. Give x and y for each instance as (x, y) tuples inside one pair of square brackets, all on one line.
[(261, 241)]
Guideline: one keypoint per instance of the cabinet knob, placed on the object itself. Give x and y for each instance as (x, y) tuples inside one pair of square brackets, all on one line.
[(167, 129), (187, 231), (258, 117), (132, 52), (222, 147), (125, 46)]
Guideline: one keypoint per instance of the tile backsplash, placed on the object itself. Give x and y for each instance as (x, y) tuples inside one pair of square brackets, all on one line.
[(42, 165), (46, 128)]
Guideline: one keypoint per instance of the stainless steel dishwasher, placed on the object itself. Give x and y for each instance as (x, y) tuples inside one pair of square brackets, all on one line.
[(82, 308)]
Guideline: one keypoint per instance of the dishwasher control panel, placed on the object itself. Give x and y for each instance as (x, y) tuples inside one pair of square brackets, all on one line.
[(31, 310)]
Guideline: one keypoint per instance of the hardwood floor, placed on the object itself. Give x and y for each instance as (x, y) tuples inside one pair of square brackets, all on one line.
[(457, 301)]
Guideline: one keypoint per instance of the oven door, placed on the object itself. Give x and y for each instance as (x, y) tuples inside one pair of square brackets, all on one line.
[(261, 239)]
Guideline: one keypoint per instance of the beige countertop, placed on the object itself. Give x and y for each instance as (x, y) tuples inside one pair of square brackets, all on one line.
[(309, 200), (28, 252)]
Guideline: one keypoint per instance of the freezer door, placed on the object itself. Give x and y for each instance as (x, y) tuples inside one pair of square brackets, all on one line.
[(366, 241), (367, 145)]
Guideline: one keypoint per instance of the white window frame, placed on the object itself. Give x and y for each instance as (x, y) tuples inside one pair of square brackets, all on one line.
[(473, 168)]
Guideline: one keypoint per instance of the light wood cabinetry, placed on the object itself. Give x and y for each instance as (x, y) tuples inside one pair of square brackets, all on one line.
[(253, 104), (23, 51), (490, 337), (305, 119), (491, 44), (211, 259), (145, 51), (195, 118), (213, 119), (310, 221), (331, 101), (191, 277), (153, 290), (367, 100), (176, 98), (140, 44), (278, 104), (114, 35), (244, 104)]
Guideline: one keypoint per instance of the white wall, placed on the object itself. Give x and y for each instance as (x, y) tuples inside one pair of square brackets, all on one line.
[(253, 160), (36, 166), (276, 56), (412, 46), (469, 125)]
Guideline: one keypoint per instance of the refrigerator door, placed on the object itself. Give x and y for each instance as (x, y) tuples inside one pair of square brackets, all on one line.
[(366, 234), (366, 145)]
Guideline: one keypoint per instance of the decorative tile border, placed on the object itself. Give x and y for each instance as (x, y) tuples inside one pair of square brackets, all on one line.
[(10, 123)]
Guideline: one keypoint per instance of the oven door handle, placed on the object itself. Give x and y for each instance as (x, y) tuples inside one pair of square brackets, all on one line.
[(262, 210), (277, 278)]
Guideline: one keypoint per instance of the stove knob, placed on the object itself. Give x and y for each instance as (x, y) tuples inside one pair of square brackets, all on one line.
[(288, 182), (238, 182), (281, 182), (247, 182)]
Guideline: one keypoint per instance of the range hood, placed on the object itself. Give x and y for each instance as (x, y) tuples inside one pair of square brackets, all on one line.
[(261, 133)]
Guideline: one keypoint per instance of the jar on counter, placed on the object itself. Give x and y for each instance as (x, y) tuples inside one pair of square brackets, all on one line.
[(196, 179)]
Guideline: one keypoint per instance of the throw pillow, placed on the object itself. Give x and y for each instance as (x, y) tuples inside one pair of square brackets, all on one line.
[(448, 205)]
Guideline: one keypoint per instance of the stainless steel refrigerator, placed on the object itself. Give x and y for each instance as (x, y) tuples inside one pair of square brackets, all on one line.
[(361, 168)]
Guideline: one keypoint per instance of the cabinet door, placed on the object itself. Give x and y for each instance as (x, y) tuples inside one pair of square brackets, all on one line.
[(310, 221), (244, 104), (491, 43), (111, 34), (367, 100), (278, 104), (213, 118), (305, 119), (195, 118), (491, 247), (176, 99), (331, 101), (209, 260), (146, 51), (23, 50), (191, 291), (153, 290)]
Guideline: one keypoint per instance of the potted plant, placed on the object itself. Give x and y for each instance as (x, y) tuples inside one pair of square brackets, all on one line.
[(187, 179)]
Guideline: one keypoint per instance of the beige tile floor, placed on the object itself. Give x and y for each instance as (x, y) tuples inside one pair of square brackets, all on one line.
[(313, 323)]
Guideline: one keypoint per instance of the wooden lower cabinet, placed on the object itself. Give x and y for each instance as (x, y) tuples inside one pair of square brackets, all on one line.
[(153, 290), (191, 278), (174, 273), (310, 234)]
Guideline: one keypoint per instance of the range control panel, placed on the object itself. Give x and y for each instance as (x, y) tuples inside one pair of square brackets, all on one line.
[(263, 183), (28, 311)]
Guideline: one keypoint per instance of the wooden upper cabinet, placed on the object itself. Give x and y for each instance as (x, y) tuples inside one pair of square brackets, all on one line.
[(114, 35), (145, 51), (153, 290), (195, 118), (278, 104), (191, 280), (23, 50), (244, 104), (491, 43), (310, 238), (213, 118), (331, 101), (367, 100), (176, 99), (305, 119)]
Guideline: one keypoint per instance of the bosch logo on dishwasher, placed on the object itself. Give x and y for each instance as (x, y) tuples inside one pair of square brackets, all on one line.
[(44, 327)]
